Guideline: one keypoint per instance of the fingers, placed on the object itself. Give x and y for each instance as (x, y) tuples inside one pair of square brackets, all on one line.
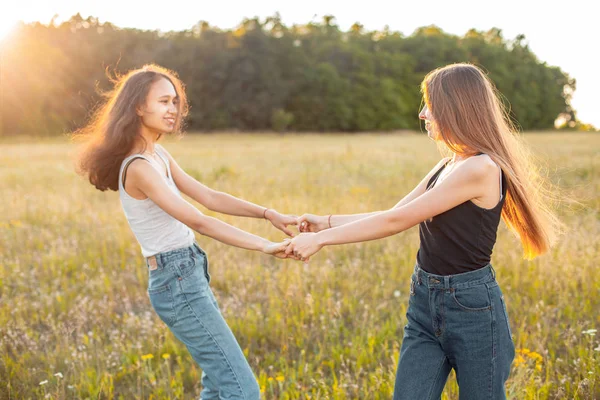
[(302, 219), (288, 232), (303, 227), (290, 248), (284, 245), (303, 223)]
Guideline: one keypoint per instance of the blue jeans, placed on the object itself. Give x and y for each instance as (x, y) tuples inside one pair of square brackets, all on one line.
[(180, 294), (455, 322)]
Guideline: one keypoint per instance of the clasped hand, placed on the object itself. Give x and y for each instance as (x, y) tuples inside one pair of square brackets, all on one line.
[(304, 245)]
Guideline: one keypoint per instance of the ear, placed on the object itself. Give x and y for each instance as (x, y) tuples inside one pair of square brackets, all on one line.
[(139, 111)]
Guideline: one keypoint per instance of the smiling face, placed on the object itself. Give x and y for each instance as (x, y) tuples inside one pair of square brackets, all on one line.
[(430, 127), (159, 113)]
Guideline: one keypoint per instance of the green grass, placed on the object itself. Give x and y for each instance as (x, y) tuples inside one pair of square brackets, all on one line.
[(73, 296)]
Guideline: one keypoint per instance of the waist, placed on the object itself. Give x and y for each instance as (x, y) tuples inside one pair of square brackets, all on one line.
[(160, 260), (463, 280)]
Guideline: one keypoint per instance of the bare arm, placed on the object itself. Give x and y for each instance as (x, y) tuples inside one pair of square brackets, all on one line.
[(317, 223), (464, 184), (149, 181), (225, 203)]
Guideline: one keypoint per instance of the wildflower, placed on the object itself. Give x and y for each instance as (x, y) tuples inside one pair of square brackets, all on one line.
[(147, 357), (280, 378), (166, 356), (519, 359), (591, 332), (396, 293), (58, 375), (43, 383)]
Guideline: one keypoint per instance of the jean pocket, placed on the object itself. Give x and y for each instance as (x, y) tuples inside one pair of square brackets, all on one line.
[(185, 267), (474, 298), (161, 299)]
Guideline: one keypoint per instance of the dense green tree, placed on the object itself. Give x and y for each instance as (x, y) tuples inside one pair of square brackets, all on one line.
[(264, 75)]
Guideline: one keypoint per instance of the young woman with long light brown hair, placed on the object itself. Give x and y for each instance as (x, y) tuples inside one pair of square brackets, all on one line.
[(456, 315), (122, 154)]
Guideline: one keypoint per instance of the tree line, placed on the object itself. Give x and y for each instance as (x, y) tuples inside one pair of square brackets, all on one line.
[(264, 75)]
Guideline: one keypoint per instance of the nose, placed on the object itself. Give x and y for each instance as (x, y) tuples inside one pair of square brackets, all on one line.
[(422, 113)]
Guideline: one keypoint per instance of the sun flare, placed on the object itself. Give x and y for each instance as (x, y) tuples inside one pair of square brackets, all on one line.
[(7, 25)]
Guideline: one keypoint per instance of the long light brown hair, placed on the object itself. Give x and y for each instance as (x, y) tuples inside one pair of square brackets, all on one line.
[(115, 126), (469, 118)]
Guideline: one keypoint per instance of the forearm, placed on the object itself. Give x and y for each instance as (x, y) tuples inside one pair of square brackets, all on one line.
[(227, 204), (230, 235), (371, 227), (339, 220)]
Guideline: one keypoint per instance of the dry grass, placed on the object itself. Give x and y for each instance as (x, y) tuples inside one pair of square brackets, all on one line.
[(75, 321)]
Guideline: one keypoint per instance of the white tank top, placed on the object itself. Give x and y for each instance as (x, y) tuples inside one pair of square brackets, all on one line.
[(155, 230)]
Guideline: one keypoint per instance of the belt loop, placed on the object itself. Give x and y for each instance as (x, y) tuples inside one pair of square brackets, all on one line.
[(419, 276), (493, 271), (446, 282)]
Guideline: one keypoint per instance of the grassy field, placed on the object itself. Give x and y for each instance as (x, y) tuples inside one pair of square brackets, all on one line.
[(76, 323)]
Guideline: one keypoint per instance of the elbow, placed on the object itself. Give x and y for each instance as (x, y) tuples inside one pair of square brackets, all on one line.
[(394, 223), (212, 201), (200, 224)]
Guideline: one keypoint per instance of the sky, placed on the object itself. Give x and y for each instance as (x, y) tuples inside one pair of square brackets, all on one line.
[(563, 34)]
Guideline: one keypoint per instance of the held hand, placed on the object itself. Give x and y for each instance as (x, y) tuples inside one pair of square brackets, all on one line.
[(312, 223), (304, 246), (278, 249), (281, 221)]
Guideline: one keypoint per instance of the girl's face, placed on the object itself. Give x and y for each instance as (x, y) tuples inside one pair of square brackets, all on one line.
[(160, 111), (426, 116)]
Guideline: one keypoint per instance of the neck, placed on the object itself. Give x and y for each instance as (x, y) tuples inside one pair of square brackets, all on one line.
[(147, 141)]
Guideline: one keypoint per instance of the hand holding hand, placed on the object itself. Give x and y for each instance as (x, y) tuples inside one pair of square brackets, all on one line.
[(279, 249), (281, 221), (312, 223), (304, 246)]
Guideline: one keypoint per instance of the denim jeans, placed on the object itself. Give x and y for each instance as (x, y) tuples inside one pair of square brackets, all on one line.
[(455, 322), (180, 294)]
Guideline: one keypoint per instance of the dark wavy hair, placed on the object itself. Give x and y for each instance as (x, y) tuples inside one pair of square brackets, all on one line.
[(115, 126)]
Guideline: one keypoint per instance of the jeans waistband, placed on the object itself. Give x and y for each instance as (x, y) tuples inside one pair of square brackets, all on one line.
[(466, 279), (162, 259)]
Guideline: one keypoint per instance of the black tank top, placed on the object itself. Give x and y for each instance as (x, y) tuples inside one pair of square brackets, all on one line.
[(460, 239)]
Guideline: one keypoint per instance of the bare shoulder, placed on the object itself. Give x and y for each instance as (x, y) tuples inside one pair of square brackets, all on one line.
[(479, 167), (140, 170)]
